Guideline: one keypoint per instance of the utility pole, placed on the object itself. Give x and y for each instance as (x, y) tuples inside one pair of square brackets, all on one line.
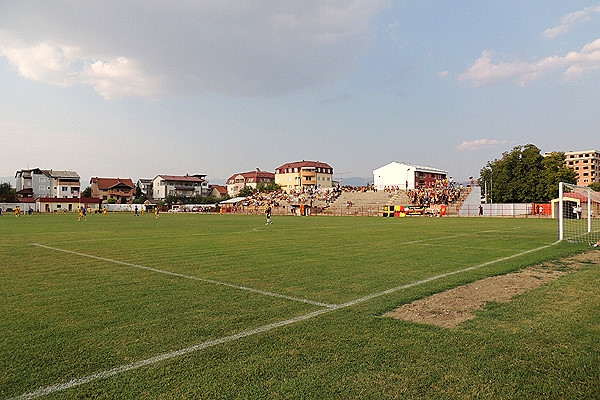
[(341, 177)]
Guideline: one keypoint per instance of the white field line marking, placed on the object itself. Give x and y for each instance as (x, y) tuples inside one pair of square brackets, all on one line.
[(466, 247), (254, 230), (166, 356), (160, 271), (146, 237), (457, 235), (408, 285)]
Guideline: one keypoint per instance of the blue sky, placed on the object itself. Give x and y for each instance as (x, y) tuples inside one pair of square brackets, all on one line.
[(140, 88)]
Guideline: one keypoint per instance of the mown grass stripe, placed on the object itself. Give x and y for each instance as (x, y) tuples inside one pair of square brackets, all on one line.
[(160, 271), (166, 356)]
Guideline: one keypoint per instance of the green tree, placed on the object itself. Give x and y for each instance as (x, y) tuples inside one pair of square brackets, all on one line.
[(87, 192), (273, 187), (246, 191), (7, 193), (267, 187), (556, 172), (523, 175), (138, 192), (140, 200), (595, 186)]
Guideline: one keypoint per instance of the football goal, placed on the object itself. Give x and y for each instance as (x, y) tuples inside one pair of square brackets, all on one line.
[(578, 214)]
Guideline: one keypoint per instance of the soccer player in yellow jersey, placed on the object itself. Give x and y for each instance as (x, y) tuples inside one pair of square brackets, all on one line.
[(81, 214), (17, 212), (156, 212), (104, 211)]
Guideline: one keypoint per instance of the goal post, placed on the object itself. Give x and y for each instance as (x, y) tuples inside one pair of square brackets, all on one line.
[(578, 212)]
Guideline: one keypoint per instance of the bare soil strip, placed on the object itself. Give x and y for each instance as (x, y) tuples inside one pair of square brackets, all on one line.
[(450, 308)]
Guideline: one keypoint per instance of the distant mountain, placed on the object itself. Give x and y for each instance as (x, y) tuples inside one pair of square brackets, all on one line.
[(215, 181), (356, 181)]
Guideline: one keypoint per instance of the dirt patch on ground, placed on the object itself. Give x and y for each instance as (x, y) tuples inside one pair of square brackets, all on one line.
[(450, 308)]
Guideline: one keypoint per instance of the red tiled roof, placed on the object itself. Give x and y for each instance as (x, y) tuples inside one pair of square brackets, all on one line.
[(181, 178), (108, 183), (254, 174), (89, 200), (300, 164)]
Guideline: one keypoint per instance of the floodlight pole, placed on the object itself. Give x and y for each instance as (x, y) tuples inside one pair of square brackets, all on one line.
[(491, 184)]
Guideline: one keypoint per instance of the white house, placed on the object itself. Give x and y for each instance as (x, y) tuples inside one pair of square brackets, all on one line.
[(188, 185), (65, 184), (406, 176)]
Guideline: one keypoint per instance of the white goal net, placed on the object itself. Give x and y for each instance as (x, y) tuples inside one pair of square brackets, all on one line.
[(578, 214)]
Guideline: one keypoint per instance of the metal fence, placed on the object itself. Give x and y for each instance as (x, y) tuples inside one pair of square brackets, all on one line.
[(9, 207), (506, 210)]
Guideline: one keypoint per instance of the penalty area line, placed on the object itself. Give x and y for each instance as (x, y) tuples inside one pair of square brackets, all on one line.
[(160, 271), (167, 356)]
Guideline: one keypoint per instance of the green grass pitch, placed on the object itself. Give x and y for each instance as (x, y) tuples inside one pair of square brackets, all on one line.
[(208, 306)]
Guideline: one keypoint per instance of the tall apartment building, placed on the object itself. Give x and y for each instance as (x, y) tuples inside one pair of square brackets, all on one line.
[(304, 174), (586, 165)]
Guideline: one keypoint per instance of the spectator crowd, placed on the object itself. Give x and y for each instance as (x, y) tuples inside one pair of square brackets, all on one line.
[(440, 193)]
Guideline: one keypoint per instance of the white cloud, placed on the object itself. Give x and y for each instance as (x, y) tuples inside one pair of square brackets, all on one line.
[(568, 21), (481, 144), (484, 71), (65, 66), (443, 74), (157, 47)]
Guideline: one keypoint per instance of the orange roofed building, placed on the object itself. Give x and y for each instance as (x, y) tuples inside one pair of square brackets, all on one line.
[(113, 188), (238, 181), (586, 165), (304, 175)]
